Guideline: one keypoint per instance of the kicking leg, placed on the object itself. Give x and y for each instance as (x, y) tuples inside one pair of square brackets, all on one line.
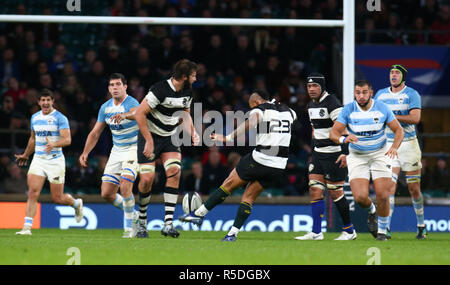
[(252, 191)]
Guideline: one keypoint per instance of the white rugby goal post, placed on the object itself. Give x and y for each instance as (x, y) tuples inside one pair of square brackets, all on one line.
[(348, 25)]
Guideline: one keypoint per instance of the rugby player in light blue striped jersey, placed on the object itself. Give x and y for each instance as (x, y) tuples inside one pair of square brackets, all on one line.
[(405, 103), (122, 168), (365, 120), (50, 132)]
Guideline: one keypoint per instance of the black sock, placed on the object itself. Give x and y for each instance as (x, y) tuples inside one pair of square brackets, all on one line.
[(243, 212), (344, 211), (216, 198)]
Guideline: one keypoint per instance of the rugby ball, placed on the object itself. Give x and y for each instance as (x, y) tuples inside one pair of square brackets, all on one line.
[(191, 202)]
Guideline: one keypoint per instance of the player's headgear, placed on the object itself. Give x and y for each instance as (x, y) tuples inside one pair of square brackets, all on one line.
[(317, 78), (402, 69)]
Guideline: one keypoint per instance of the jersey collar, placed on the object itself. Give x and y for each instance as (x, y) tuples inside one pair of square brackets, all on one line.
[(54, 110), (171, 84), (368, 110), (125, 98), (325, 95), (395, 93)]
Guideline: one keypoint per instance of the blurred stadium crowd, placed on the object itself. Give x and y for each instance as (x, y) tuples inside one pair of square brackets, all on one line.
[(75, 60)]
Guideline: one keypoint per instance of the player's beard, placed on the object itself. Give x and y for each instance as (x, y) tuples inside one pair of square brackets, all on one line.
[(186, 85), (363, 105)]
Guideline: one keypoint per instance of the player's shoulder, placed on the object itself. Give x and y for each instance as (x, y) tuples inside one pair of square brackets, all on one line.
[(106, 104), (130, 100), (264, 106), (411, 91), (160, 89), (331, 98), (382, 91), (332, 103), (59, 115), (35, 115), (380, 105)]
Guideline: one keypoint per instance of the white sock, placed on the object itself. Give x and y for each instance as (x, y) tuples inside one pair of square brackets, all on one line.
[(371, 209), (118, 202), (202, 211), (233, 231), (28, 223)]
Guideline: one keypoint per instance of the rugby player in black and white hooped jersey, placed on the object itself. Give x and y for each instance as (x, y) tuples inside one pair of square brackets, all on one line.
[(258, 169), (157, 118), (328, 168)]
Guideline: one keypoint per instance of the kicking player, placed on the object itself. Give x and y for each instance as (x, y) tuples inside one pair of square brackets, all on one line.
[(50, 132), (365, 120), (158, 119), (256, 170), (405, 103), (121, 168), (328, 168)]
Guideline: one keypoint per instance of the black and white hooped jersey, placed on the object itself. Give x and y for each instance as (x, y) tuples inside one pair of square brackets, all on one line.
[(273, 134), (322, 115), (164, 101)]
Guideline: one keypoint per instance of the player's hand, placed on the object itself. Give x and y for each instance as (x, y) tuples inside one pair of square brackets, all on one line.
[(83, 160), (21, 159), (217, 137), (49, 146), (195, 138), (343, 160), (351, 139), (148, 150), (392, 153), (117, 118)]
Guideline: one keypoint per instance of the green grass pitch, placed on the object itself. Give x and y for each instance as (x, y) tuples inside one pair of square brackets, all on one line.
[(107, 247)]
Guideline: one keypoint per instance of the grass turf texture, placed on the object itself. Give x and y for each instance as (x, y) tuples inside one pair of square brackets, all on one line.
[(107, 247)]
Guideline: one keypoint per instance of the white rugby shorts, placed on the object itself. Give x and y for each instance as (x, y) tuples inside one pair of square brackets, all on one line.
[(120, 162), (409, 156), (54, 169), (374, 164)]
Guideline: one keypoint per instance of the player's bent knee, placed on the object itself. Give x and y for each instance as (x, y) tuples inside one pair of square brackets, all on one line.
[(107, 196), (360, 197), (33, 193), (57, 198)]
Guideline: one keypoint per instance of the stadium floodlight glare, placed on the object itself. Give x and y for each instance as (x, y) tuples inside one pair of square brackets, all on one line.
[(348, 25)]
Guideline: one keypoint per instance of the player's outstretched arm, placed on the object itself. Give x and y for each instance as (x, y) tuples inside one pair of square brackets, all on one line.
[(22, 159), (91, 141), (242, 129), (141, 120), (395, 126)]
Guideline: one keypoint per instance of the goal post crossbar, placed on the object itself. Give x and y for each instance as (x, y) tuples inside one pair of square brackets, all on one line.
[(170, 21), (347, 24)]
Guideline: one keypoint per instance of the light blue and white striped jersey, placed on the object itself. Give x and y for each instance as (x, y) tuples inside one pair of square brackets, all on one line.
[(401, 103), (48, 126), (125, 133), (368, 126)]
